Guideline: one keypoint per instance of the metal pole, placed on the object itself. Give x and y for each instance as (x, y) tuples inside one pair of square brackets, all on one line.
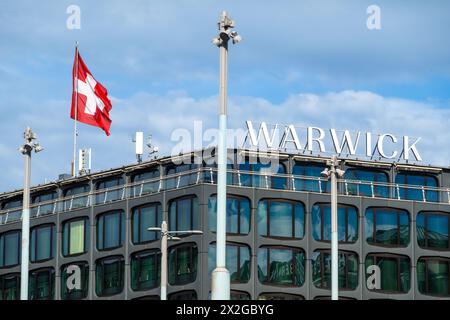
[(75, 132), (220, 280), (164, 260), (25, 224), (334, 231)]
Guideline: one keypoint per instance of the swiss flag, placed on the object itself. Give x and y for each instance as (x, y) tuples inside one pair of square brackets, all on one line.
[(93, 105)]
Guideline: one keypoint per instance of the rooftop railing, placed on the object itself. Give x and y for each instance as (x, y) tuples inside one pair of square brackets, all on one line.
[(238, 178)]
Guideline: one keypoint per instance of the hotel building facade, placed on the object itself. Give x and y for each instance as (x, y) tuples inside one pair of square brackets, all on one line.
[(393, 216)]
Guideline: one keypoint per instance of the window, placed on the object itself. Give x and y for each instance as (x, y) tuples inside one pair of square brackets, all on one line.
[(210, 172), (150, 182), (387, 227), (110, 230), (183, 214), (281, 219), (348, 269), (395, 272), (183, 264), (42, 284), (10, 287), (14, 208), (239, 295), (433, 276), (181, 179), (281, 266), (238, 214), (74, 197), (144, 217), (367, 189), (264, 175), (109, 273), (145, 270), (238, 261), (347, 223), (68, 292), (11, 204), (183, 295), (75, 236), (10, 248), (44, 208), (433, 229), (279, 296), (110, 195), (308, 174), (416, 192), (42, 244)]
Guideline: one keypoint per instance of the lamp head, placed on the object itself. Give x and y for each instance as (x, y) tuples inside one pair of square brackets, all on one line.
[(325, 173), (38, 148), (340, 173)]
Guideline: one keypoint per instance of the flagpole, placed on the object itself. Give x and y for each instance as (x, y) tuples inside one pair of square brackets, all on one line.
[(75, 132)]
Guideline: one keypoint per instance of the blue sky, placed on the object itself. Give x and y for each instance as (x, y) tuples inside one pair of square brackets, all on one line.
[(306, 62)]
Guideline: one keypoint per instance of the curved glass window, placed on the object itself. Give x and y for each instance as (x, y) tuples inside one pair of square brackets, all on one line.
[(69, 290), (109, 273), (238, 261), (347, 223), (183, 295), (308, 174), (348, 269), (150, 184), (183, 264), (43, 209), (184, 214), (281, 266), (10, 287), (110, 230), (264, 174), (210, 172), (367, 189), (239, 295), (387, 227), (42, 243), (74, 199), (75, 236), (109, 195), (279, 296), (144, 217), (11, 204), (42, 284), (238, 214), (145, 270), (10, 248), (395, 272), (181, 180), (416, 192), (433, 276), (433, 229), (281, 219)]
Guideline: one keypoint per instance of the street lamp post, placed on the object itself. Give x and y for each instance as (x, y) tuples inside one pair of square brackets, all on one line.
[(26, 151), (165, 236), (220, 282), (334, 172)]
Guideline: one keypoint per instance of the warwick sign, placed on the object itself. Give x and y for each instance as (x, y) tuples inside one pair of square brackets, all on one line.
[(341, 142)]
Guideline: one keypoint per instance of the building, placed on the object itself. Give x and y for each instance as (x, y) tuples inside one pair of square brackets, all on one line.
[(394, 216)]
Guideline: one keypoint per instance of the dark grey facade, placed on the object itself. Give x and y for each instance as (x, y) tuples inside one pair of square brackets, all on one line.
[(200, 183)]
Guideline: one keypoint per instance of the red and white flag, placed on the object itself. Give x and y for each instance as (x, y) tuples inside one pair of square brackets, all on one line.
[(93, 104)]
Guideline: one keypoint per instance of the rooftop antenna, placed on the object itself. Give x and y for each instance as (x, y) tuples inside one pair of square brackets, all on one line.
[(84, 161), (139, 143), (152, 149)]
